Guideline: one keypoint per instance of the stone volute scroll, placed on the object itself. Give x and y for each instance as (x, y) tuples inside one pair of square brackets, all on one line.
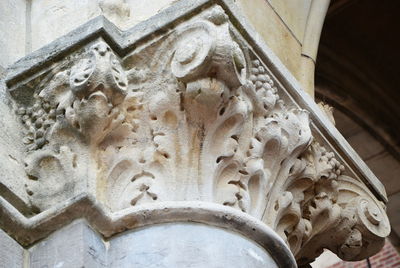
[(191, 124)]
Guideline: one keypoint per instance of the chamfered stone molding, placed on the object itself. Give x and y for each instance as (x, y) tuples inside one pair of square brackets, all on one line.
[(185, 117)]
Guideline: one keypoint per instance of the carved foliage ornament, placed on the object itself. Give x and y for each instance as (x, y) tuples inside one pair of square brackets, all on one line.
[(193, 115)]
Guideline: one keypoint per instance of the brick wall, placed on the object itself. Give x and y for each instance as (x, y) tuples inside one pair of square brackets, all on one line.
[(386, 258)]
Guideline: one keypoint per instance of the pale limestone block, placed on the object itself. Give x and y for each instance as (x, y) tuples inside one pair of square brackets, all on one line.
[(310, 43), (315, 21), (117, 11), (12, 30), (275, 33), (11, 253), (306, 74), (175, 245), (51, 19), (294, 13), (73, 246), (12, 174), (141, 10)]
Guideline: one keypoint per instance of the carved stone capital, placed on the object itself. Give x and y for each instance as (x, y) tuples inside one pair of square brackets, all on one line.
[(197, 112)]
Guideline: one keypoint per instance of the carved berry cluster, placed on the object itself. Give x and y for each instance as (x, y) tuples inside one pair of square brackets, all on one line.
[(334, 167), (264, 85), (37, 120)]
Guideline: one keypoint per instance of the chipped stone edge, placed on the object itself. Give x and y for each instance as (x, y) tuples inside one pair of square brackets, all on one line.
[(108, 223), (123, 42)]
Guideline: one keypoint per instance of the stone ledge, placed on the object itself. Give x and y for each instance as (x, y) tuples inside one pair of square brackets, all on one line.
[(30, 230), (161, 245)]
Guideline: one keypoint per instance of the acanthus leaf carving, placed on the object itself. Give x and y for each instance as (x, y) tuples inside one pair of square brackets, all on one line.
[(193, 115), (322, 208), (74, 112)]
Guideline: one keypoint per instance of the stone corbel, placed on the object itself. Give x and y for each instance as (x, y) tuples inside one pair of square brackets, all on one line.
[(319, 207), (192, 114)]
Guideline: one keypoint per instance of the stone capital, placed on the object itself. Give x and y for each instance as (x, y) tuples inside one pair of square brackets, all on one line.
[(191, 120)]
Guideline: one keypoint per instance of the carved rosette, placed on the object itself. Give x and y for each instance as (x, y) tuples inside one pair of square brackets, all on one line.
[(193, 116)]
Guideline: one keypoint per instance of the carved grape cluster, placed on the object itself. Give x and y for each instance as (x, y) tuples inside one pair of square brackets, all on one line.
[(264, 85), (37, 119), (334, 167)]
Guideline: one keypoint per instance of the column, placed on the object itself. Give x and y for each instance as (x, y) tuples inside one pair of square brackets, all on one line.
[(183, 141)]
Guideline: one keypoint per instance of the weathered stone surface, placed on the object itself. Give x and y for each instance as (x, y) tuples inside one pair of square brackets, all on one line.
[(163, 245), (281, 24), (12, 175), (275, 33), (143, 10), (289, 28), (11, 253), (63, 16), (197, 121), (12, 33), (294, 14), (73, 246), (184, 245), (38, 60), (312, 33)]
